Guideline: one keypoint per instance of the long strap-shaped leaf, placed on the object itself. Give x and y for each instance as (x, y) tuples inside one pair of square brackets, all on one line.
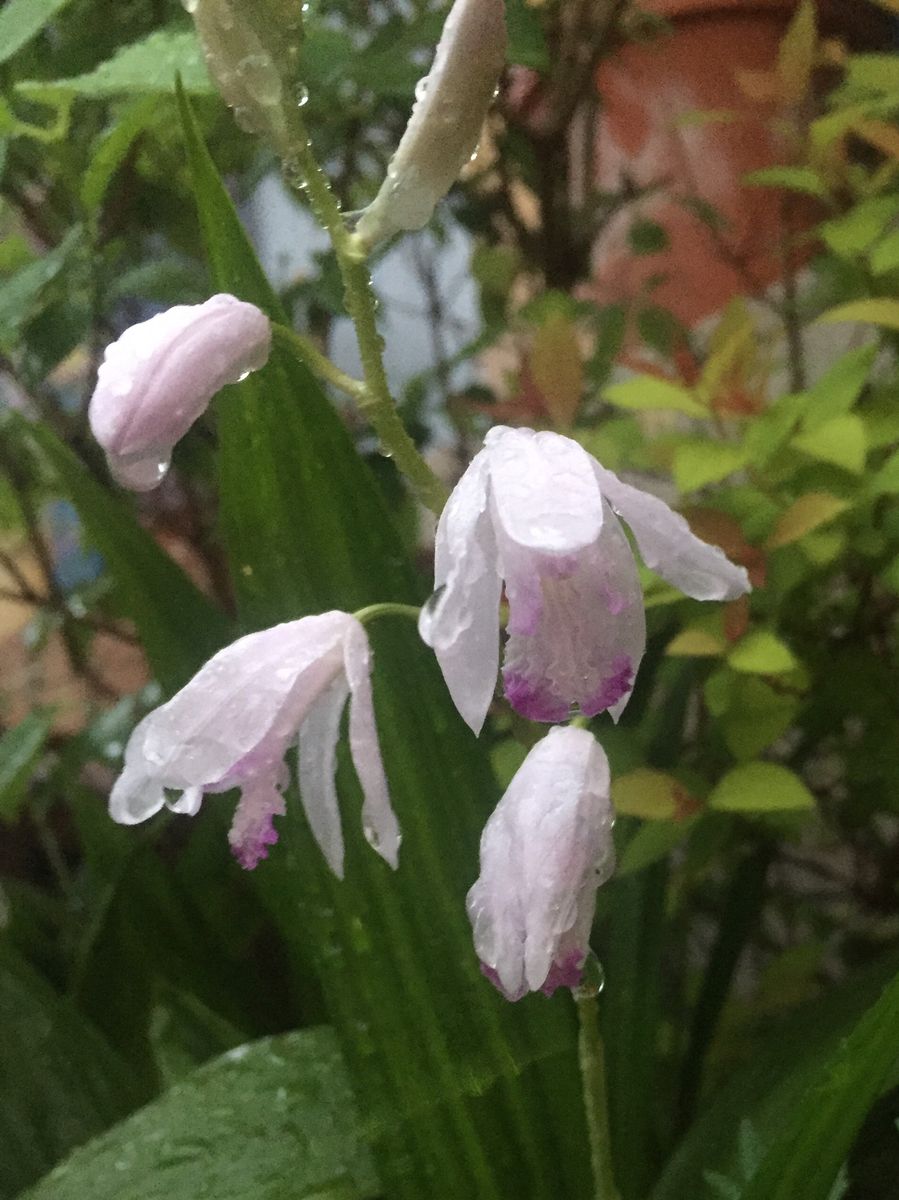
[(439, 1062), (803, 1162), (179, 627)]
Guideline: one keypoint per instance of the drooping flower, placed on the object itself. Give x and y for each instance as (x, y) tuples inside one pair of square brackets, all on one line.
[(537, 512), (544, 852), (450, 106), (231, 726), (160, 375)]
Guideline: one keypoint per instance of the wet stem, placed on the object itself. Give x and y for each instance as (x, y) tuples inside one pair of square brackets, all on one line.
[(373, 398), (592, 1059)]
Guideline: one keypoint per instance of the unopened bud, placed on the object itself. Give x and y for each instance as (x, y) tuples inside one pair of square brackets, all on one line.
[(160, 375), (446, 122)]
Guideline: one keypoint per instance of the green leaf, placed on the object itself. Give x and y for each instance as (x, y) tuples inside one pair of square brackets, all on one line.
[(761, 652), (647, 393), (23, 293), (760, 787), (527, 44), (759, 716), (20, 749), (307, 529), (63, 1084), (885, 481), (701, 462), (884, 257), (647, 237), (838, 389), (840, 441), (179, 627), (795, 179), (149, 66), (111, 150), (267, 1120), (868, 312), (860, 227), (766, 1089), (651, 795), (805, 514), (804, 1159), (653, 841), (20, 20)]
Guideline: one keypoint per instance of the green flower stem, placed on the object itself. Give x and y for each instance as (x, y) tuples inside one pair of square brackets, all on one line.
[(387, 609), (375, 402), (319, 364), (592, 1059)]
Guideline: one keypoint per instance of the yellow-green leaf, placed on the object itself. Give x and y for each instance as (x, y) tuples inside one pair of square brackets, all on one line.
[(804, 515), (558, 368), (699, 463), (696, 643), (869, 312), (760, 787), (840, 441), (650, 795), (796, 56), (646, 393), (762, 653)]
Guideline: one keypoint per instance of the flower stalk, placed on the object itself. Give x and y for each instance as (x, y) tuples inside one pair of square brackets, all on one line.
[(592, 1060), (373, 399)]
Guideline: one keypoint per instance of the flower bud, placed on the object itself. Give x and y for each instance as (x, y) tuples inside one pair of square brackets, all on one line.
[(443, 131), (251, 49), (544, 852), (160, 375)]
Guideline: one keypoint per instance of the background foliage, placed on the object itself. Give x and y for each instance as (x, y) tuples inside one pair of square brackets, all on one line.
[(749, 938)]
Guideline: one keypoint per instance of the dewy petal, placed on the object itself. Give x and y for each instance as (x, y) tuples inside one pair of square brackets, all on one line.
[(379, 823), (460, 623), (545, 494), (237, 715), (544, 852), (252, 830), (668, 545), (317, 764), (160, 375), (443, 131), (583, 633)]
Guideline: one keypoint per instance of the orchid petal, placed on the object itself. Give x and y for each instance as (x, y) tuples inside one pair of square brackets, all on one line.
[(379, 823), (248, 700), (460, 622), (317, 763), (582, 640), (252, 830), (545, 494), (668, 545)]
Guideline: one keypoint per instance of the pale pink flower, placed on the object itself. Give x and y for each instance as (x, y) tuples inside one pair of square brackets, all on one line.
[(544, 852), (160, 375), (537, 512), (231, 726), (451, 103)]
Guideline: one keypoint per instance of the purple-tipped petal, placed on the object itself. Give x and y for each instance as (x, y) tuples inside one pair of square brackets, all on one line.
[(583, 641), (160, 375), (544, 852), (253, 828), (545, 495), (379, 823), (317, 763), (668, 545), (461, 621)]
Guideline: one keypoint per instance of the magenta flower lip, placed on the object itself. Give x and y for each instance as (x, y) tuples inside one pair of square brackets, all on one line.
[(537, 514)]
